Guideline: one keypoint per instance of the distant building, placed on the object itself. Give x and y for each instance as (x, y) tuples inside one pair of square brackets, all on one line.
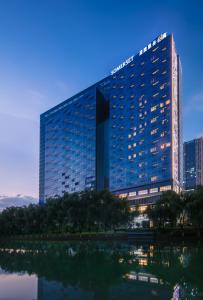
[(122, 133), (193, 163)]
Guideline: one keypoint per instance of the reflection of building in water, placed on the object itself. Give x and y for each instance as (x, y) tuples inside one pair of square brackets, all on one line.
[(54, 290), (138, 286)]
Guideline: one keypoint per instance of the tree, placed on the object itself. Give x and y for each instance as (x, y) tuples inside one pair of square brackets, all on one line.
[(166, 211), (195, 207)]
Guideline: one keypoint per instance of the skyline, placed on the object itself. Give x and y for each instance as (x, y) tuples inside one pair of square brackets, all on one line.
[(47, 74)]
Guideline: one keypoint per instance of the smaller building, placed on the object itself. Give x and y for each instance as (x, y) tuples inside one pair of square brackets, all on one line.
[(193, 163)]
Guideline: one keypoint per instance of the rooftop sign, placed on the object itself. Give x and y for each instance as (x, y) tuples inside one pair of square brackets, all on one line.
[(157, 40), (125, 63), (128, 60)]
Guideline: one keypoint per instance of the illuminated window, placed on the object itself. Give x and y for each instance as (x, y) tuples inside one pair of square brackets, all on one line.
[(129, 146), (121, 97), (131, 194), (142, 74), (123, 195), (153, 108), (142, 85), (134, 144), (134, 155), (164, 49), (155, 60), (154, 190), (134, 133), (165, 188), (132, 96), (162, 104), (129, 156), (154, 178), (154, 119), (153, 149), (164, 72), (132, 75), (155, 83), (153, 50), (168, 102), (164, 60), (132, 85), (129, 136), (155, 95), (156, 71), (162, 134), (143, 192), (154, 131), (168, 144)]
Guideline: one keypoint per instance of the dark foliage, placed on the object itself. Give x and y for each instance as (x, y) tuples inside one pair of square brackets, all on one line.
[(77, 212)]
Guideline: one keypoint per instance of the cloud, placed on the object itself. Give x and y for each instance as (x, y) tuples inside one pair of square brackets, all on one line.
[(19, 200)]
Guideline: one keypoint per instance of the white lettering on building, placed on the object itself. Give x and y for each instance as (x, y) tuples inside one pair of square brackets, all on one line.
[(158, 40), (125, 63)]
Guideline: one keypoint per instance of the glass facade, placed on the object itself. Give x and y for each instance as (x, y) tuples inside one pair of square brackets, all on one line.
[(123, 133), (193, 163)]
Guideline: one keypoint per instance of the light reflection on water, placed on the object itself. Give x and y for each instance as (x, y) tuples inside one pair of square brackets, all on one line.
[(100, 270)]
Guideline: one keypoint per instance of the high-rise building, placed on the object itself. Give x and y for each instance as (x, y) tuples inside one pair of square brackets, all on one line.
[(122, 133), (193, 163)]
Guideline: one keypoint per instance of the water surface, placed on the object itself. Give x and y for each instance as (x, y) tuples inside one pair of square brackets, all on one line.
[(100, 270)]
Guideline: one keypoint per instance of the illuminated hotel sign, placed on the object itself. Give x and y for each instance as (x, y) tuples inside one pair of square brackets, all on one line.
[(125, 63), (159, 39)]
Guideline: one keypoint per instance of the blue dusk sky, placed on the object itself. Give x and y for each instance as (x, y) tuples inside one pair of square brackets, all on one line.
[(50, 50)]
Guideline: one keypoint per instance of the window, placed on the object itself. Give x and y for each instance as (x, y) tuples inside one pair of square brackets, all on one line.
[(155, 60), (156, 94), (131, 194), (143, 192), (165, 188), (168, 102), (154, 178), (153, 50), (153, 190), (154, 131), (156, 71), (123, 195), (153, 108), (154, 119), (134, 155)]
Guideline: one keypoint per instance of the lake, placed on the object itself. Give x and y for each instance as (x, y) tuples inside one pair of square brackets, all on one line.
[(100, 270)]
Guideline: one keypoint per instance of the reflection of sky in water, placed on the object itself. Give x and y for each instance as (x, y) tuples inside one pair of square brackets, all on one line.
[(17, 286), (102, 271)]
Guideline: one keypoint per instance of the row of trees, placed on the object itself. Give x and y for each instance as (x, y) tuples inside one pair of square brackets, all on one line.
[(85, 211), (174, 210)]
